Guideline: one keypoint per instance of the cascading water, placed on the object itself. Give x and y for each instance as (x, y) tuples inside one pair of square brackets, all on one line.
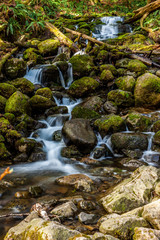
[(112, 27)]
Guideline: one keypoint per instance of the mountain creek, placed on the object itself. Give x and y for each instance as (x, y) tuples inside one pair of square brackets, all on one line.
[(82, 134)]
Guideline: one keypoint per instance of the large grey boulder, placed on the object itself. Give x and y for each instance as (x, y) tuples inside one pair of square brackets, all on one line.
[(132, 192), (78, 132), (141, 233)]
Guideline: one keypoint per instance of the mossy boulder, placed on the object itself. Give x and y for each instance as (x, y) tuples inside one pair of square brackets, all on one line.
[(45, 92), (132, 192), (25, 145), (14, 68), (4, 153), (17, 104), (110, 124), (147, 91), (11, 117), (49, 47), (81, 112), (82, 65), (83, 86), (23, 85), (141, 233), (126, 83), (136, 66), (121, 98), (109, 67), (138, 122), (31, 54), (5, 126), (63, 66), (6, 90), (39, 103), (156, 138), (156, 126), (102, 57), (122, 63), (110, 107), (106, 76), (2, 103), (50, 76)]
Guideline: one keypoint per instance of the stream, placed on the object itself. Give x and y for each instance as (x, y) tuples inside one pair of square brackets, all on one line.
[(43, 173)]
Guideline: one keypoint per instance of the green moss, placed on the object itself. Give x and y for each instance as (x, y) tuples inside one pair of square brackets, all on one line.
[(109, 67), (17, 104), (136, 66), (24, 85), (81, 112), (83, 86), (125, 83), (121, 98), (6, 90), (31, 54), (2, 103), (4, 154), (106, 76), (110, 123), (14, 68), (48, 47), (38, 102), (45, 92), (102, 56)]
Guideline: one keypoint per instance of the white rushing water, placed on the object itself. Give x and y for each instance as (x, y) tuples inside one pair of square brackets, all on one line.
[(111, 28)]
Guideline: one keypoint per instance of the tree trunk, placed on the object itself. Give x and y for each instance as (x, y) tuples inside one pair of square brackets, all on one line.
[(146, 9), (61, 37)]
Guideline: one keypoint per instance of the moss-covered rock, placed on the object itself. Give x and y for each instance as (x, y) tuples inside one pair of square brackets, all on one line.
[(156, 126), (11, 117), (4, 153), (23, 85), (49, 47), (122, 63), (138, 122), (6, 90), (17, 104), (136, 66), (109, 67), (121, 98), (2, 103), (141, 233), (110, 107), (45, 92), (71, 152), (106, 76), (39, 103), (156, 138), (83, 86), (102, 57), (31, 54), (82, 65), (63, 66), (25, 145), (110, 124), (147, 91), (133, 192), (81, 112), (14, 68), (93, 103), (126, 83)]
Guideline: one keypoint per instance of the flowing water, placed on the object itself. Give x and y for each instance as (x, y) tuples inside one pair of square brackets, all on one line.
[(111, 28)]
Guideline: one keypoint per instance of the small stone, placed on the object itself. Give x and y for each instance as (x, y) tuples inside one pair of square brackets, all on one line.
[(88, 218), (65, 210)]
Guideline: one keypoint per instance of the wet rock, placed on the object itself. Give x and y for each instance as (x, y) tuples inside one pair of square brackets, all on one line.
[(57, 136), (106, 76), (14, 68), (102, 151), (35, 191), (109, 124), (78, 181), (156, 126), (129, 141), (79, 133), (6, 90), (136, 66), (122, 226), (132, 192), (2, 103), (125, 83), (50, 76), (122, 63), (102, 57), (93, 103), (121, 98), (87, 205), (17, 104), (82, 87), (36, 228), (65, 210), (22, 157), (60, 57), (47, 201), (138, 122), (45, 92), (86, 218), (141, 233), (37, 155), (82, 65), (81, 112), (23, 85), (132, 164), (70, 152), (22, 194), (63, 66), (110, 107), (56, 110), (49, 47), (25, 145), (156, 138), (147, 90), (109, 67), (39, 103)]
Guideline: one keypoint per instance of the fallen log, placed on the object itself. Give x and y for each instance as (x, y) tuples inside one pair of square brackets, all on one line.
[(149, 8), (62, 38), (6, 57), (146, 61), (88, 38)]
